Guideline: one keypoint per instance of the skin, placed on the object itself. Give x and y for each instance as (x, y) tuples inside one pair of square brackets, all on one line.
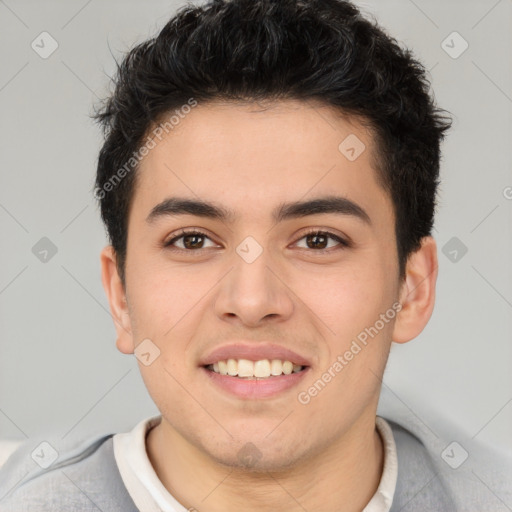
[(322, 456)]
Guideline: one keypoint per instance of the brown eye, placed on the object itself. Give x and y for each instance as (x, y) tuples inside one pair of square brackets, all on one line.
[(319, 240), (191, 241)]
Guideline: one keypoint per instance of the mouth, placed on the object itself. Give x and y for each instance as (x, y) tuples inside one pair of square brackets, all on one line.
[(254, 380), (254, 370)]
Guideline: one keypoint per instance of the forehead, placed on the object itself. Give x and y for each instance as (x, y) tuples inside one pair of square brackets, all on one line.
[(246, 156)]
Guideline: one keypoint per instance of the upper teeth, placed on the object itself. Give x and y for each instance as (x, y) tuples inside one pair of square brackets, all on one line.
[(261, 368)]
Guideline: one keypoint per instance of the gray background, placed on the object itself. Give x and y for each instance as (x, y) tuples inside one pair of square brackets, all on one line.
[(59, 368)]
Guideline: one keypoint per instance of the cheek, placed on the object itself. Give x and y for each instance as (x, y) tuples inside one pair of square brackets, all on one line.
[(345, 301), (162, 383), (161, 298)]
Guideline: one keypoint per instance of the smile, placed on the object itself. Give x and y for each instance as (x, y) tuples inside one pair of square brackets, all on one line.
[(247, 369), (254, 380)]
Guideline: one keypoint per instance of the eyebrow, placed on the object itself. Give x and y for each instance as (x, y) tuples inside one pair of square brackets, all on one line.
[(173, 206)]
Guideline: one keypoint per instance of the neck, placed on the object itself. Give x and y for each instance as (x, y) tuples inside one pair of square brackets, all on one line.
[(343, 476)]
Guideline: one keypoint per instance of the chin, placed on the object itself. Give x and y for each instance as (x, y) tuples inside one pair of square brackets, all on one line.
[(256, 454)]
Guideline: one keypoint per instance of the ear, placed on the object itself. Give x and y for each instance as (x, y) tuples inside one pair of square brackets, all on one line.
[(417, 294), (117, 298)]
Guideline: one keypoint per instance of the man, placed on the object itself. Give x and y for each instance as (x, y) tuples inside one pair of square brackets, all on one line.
[(268, 183)]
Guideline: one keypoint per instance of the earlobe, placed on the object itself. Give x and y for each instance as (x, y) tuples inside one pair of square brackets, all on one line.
[(417, 295), (116, 295)]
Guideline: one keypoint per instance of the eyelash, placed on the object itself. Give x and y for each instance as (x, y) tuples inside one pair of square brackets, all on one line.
[(184, 232)]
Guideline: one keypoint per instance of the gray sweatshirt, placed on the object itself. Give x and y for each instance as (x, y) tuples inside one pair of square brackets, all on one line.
[(85, 477)]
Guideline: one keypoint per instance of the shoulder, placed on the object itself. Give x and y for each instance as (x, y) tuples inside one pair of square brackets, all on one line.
[(52, 475), (417, 486), (439, 474)]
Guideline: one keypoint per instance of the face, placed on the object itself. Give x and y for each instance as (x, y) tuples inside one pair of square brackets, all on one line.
[(268, 281)]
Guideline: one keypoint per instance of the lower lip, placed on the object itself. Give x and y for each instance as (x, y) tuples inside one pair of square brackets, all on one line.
[(254, 389)]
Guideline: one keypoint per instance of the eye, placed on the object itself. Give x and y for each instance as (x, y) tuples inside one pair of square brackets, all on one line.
[(318, 240), (191, 240)]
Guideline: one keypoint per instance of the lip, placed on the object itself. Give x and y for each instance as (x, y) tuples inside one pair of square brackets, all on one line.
[(253, 352), (253, 388)]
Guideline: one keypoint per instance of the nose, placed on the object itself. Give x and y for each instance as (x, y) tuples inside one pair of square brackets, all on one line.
[(254, 293)]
